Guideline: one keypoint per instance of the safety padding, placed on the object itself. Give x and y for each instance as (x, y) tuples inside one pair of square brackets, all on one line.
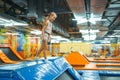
[(12, 51), (12, 54), (38, 70), (75, 58), (109, 73), (5, 59), (91, 74), (16, 53)]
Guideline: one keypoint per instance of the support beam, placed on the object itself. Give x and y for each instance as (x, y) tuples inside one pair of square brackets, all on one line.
[(113, 9), (116, 19), (108, 3), (14, 5), (32, 13)]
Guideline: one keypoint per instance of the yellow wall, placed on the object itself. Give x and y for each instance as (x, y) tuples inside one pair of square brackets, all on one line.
[(55, 48), (76, 46)]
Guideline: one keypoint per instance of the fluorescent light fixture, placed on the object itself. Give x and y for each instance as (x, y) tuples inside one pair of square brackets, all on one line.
[(80, 20), (116, 30), (114, 36), (54, 41), (59, 38), (36, 32), (91, 20), (7, 22), (89, 37), (89, 31), (56, 37)]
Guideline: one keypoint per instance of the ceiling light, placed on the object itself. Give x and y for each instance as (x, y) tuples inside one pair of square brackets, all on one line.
[(36, 32), (89, 37), (91, 20), (89, 31), (10, 22)]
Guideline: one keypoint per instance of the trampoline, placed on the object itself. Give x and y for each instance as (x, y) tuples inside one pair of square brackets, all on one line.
[(65, 76), (99, 75), (109, 77)]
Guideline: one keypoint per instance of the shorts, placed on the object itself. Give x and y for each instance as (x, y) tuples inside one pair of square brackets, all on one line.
[(47, 38)]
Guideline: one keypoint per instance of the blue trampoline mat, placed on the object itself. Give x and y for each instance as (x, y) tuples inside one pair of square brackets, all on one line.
[(99, 75)]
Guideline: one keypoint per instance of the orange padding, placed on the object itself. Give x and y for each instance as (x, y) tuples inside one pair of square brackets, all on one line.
[(5, 59), (15, 52), (75, 58)]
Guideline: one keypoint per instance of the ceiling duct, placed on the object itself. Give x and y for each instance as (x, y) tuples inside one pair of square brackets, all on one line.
[(62, 32), (73, 24), (14, 5), (20, 2), (87, 8), (40, 8), (32, 13)]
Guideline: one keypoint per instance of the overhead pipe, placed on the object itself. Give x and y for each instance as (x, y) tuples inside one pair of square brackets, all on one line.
[(87, 8), (15, 5), (32, 13), (88, 12), (40, 9), (58, 28), (62, 32)]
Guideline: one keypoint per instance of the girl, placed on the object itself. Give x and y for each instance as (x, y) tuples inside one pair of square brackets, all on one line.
[(46, 32)]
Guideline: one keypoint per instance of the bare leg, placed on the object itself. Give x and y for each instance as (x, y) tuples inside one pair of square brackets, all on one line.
[(45, 49), (45, 54), (40, 50)]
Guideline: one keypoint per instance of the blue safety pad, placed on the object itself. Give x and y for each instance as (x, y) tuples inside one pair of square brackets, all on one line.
[(38, 70), (109, 73), (75, 74), (94, 74), (103, 72), (90, 75)]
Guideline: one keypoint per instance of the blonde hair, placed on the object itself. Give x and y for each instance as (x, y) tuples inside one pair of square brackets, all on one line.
[(52, 13), (49, 14)]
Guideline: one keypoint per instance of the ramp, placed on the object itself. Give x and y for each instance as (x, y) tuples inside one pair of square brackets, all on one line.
[(8, 52), (75, 58), (11, 53), (5, 59)]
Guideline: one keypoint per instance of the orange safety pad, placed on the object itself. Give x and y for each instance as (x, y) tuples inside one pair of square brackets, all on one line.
[(5, 59), (75, 58), (16, 53)]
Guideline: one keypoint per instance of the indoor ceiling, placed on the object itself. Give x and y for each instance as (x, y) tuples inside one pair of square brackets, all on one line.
[(77, 19)]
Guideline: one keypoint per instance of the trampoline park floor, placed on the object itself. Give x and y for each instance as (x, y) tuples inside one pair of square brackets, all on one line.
[(110, 67)]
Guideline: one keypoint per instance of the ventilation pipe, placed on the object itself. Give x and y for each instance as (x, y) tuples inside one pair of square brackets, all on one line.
[(32, 9), (60, 31), (40, 7)]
